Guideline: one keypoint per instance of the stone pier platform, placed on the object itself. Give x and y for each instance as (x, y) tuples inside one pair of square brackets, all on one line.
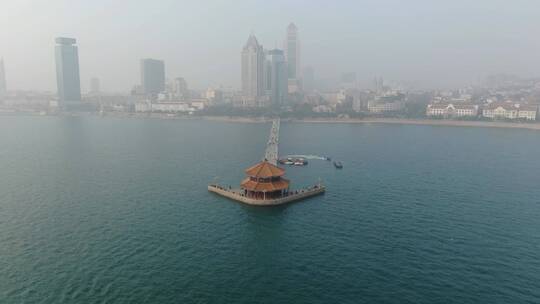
[(296, 195)]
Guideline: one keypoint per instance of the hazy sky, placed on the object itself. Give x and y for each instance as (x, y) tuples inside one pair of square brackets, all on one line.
[(428, 43)]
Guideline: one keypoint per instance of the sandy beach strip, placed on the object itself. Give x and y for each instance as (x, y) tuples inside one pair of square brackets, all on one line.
[(429, 122), (368, 120)]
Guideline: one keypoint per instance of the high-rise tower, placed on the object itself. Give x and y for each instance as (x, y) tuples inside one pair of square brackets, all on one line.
[(292, 52), (252, 68), (152, 76), (292, 55), (276, 77), (67, 71)]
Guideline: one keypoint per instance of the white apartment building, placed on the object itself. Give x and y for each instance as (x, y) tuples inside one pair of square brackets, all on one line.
[(510, 111), (452, 110), (167, 107), (381, 107)]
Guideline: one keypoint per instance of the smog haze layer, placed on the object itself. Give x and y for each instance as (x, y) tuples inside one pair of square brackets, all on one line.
[(429, 44)]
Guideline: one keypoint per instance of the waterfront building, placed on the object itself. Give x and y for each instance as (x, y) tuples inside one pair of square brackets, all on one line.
[(170, 107), (225, 93), (357, 105), (214, 96), (392, 101), (276, 77), (152, 76), (240, 101), (452, 110), (380, 107), (3, 85), (253, 69), (163, 96), (67, 71), (198, 103), (357, 98), (163, 107), (333, 98), (24, 101), (528, 112), (143, 106), (322, 109), (294, 86), (508, 110)]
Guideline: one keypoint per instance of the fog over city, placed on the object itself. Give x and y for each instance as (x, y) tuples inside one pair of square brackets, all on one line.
[(426, 44)]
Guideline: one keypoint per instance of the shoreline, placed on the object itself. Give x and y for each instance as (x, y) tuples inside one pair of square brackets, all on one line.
[(240, 119), (392, 121), (429, 122)]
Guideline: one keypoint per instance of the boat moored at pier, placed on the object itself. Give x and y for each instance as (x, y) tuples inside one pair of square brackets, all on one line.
[(291, 161)]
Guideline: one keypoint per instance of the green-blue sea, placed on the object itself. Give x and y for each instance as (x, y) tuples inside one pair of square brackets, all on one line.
[(116, 210)]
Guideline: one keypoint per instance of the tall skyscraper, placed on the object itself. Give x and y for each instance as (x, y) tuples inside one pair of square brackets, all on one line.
[(3, 86), (253, 68), (152, 76), (276, 77), (94, 85), (292, 52), (180, 88), (67, 71)]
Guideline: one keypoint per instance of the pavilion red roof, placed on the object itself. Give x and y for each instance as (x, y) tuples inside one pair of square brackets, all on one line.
[(265, 169)]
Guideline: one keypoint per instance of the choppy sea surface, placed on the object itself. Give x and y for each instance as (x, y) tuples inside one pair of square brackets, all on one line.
[(115, 210)]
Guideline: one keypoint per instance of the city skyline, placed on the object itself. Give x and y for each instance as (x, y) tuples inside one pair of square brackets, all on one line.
[(430, 46)]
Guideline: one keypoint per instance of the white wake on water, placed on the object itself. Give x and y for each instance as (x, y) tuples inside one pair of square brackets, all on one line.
[(306, 156)]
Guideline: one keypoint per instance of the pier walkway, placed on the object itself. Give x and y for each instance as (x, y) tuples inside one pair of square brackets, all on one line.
[(271, 154)]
